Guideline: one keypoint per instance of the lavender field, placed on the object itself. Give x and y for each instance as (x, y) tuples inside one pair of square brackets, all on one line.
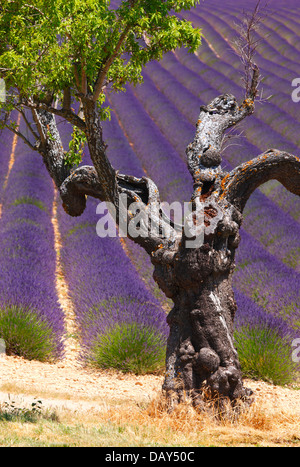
[(150, 127)]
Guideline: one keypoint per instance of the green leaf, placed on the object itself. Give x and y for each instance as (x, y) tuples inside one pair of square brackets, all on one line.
[(74, 156)]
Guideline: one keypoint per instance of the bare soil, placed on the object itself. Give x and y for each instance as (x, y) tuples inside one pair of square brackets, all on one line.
[(70, 381), (75, 386)]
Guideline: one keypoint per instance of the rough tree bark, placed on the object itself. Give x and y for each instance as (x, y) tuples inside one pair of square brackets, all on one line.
[(200, 349)]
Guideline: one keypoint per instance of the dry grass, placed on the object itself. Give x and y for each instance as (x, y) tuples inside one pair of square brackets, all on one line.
[(263, 423), (104, 417), (127, 424), (111, 409)]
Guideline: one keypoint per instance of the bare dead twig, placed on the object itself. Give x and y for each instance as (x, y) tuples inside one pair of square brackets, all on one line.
[(246, 46), (231, 135)]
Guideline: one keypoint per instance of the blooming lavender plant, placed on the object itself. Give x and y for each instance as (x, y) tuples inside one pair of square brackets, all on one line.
[(112, 304), (105, 288), (258, 268), (263, 342), (28, 261)]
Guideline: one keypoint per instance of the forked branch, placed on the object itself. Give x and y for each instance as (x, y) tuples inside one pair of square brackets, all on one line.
[(204, 153)]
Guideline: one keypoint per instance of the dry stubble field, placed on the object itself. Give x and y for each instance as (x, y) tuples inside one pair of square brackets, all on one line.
[(111, 409)]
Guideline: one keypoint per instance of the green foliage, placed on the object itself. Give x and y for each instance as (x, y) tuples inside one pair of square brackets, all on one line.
[(129, 348), (49, 45), (76, 146), (264, 355), (57, 51), (25, 334), (29, 200), (10, 412)]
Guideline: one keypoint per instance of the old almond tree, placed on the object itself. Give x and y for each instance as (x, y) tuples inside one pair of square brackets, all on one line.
[(56, 56)]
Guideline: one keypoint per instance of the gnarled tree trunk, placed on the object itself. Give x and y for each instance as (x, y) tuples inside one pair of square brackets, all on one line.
[(200, 350)]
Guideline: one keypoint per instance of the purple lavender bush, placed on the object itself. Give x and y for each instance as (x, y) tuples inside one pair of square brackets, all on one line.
[(31, 320), (113, 307), (264, 343), (121, 324)]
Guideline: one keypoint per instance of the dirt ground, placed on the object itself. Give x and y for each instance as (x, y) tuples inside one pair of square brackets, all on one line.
[(71, 385)]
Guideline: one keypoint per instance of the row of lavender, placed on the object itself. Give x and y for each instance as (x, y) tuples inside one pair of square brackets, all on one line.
[(31, 320), (120, 322), (278, 71)]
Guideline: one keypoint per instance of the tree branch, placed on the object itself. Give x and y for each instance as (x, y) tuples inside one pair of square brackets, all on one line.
[(84, 181), (204, 153), (76, 76), (246, 46), (51, 146), (73, 191), (28, 124), (23, 137), (39, 127), (66, 113), (105, 67), (254, 83), (273, 164), (67, 99)]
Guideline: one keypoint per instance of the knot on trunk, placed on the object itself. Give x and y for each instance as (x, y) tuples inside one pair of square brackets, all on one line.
[(226, 103), (206, 362)]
